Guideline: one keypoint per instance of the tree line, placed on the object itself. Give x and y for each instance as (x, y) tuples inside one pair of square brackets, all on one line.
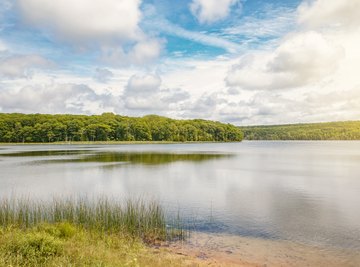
[(347, 130), (41, 128)]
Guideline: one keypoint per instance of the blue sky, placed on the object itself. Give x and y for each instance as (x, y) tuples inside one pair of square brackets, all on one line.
[(238, 61)]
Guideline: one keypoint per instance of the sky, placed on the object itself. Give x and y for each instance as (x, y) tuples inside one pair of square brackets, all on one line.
[(245, 62)]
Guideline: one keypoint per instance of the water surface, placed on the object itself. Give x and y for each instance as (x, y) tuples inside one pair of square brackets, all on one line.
[(303, 192)]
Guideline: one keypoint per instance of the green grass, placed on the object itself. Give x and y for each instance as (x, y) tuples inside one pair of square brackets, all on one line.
[(85, 232), (66, 244), (137, 218)]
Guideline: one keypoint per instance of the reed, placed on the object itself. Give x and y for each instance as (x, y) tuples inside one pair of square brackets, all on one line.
[(136, 217)]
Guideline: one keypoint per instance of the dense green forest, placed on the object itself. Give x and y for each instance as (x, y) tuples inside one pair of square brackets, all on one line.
[(348, 130), (42, 128)]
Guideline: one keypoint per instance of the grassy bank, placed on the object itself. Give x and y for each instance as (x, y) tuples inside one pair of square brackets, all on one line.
[(66, 244), (136, 218), (83, 232)]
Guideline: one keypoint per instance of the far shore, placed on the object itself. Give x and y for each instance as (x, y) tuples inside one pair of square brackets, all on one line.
[(113, 143)]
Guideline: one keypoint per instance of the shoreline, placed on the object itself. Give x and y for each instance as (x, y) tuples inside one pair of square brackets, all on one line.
[(115, 143), (69, 244), (232, 250), (166, 142)]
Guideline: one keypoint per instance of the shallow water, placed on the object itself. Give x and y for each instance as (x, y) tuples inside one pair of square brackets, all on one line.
[(303, 192)]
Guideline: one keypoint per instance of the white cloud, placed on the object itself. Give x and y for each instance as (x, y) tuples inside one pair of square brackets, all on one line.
[(103, 75), (148, 83), (324, 13), (196, 76), (142, 53), (56, 98), (146, 51), (82, 21), (206, 106), (301, 58), (316, 66), (21, 66), (174, 95), (209, 11), (143, 93), (109, 26)]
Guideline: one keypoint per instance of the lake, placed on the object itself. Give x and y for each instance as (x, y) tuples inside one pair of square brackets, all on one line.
[(305, 192)]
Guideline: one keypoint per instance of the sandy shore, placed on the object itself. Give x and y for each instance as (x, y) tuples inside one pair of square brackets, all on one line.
[(227, 250)]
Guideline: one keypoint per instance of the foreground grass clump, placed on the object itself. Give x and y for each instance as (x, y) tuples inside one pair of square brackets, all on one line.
[(85, 232), (66, 244), (136, 218)]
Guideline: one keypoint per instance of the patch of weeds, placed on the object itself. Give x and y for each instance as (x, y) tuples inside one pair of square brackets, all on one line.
[(32, 248), (60, 230)]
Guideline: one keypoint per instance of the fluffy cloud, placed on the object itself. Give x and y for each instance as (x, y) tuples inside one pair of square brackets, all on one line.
[(144, 93), (323, 13), (56, 98), (82, 21), (321, 52), (109, 26), (174, 95), (316, 66), (103, 75), (142, 53), (21, 66), (302, 58), (208, 11), (143, 84)]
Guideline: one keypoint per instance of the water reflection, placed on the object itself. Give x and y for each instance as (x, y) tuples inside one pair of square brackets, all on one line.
[(147, 158), (43, 153), (307, 192)]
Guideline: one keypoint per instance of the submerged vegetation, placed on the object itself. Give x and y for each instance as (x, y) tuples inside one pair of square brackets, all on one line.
[(83, 232), (43, 128), (348, 130)]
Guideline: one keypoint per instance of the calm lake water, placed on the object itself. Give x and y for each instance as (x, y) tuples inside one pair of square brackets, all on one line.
[(305, 192)]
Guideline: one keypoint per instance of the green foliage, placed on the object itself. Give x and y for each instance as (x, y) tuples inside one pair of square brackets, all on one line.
[(84, 232), (349, 130), (137, 218), (42, 128), (63, 230), (32, 248), (46, 245)]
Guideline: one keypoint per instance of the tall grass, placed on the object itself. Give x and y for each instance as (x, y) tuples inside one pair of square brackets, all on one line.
[(137, 218)]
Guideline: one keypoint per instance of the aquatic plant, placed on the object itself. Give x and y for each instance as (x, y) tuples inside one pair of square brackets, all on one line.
[(137, 218)]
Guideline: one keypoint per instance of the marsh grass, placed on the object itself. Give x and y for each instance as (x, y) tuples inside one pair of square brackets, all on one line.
[(135, 217), (66, 244)]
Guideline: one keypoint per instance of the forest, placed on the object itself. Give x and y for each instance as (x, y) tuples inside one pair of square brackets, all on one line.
[(347, 130), (44, 128)]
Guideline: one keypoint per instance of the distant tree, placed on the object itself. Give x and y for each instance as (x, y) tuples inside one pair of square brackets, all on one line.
[(17, 127)]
